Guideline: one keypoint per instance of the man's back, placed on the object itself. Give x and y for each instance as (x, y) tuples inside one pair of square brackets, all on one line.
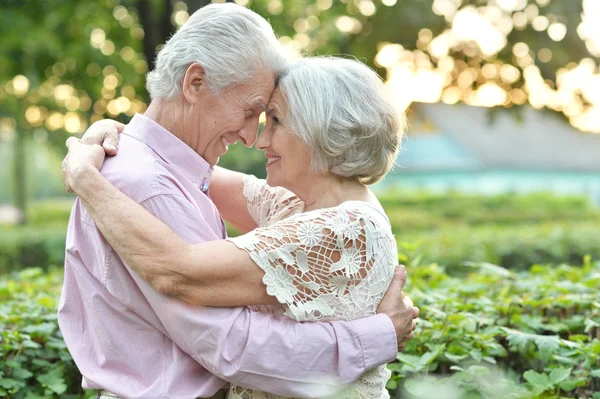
[(111, 328)]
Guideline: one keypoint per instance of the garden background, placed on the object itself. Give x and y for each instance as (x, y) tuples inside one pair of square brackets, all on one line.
[(507, 283)]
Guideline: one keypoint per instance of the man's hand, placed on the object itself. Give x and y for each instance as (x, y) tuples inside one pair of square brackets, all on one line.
[(399, 308), (104, 133)]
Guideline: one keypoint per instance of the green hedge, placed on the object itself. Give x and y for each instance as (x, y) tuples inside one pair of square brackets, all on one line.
[(514, 247), (425, 211), (492, 333), (509, 230), (31, 246)]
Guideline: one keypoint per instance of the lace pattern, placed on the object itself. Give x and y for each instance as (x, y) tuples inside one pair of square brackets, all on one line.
[(322, 265)]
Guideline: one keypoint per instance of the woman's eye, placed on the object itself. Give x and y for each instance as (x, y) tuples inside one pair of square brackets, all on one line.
[(275, 120)]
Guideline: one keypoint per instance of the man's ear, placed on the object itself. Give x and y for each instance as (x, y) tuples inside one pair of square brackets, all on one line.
[(194, 83)]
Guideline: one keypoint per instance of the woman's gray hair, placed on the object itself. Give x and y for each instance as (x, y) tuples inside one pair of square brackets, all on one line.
[(338, 107), (231, 42)]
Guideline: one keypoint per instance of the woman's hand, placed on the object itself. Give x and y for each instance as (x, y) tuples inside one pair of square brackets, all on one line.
[(88, 153), (80, 159), (104, 133)]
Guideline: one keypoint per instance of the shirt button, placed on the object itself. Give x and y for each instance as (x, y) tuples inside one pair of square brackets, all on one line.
[(204, 187)]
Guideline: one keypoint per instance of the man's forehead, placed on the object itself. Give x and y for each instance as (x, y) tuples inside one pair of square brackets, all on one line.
[(262, 104)]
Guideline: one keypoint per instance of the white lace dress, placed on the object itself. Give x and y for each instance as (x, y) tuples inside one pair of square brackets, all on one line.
[(327, 264)]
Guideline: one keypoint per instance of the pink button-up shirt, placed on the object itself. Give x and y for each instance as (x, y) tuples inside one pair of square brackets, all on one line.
[(128, 339)]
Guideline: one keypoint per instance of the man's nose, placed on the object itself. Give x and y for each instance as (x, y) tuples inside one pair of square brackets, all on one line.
[(248, 132), (262, 142)]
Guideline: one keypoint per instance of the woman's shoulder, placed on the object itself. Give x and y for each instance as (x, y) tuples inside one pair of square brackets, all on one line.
[(350, 211), (269, 204)]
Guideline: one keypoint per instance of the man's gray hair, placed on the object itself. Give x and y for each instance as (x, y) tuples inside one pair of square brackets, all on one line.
[(339, 108), (231, 42)]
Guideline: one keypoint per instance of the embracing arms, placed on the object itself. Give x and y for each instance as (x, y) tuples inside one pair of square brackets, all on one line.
[(197, 274), (194, 273)]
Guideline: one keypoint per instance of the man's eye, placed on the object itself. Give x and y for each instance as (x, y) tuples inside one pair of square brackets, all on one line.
[(275, 120)]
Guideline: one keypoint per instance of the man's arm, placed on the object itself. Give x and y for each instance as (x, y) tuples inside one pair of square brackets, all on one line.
[(264, 352)]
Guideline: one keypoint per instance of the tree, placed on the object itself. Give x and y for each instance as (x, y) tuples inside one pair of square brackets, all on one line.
[(81, 61)]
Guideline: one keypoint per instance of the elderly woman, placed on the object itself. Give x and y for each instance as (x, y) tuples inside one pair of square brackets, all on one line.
[(316, 236)]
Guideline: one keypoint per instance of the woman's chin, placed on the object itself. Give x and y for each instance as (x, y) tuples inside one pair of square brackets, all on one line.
[(272, 180)]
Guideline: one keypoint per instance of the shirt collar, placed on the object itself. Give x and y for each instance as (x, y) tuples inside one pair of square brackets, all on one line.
[(172, 150)]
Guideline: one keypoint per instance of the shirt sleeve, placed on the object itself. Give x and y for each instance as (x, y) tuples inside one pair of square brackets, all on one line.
[(265, 202), (259, 351)]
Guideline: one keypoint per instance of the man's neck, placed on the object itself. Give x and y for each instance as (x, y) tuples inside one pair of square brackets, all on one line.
[(168, 114)]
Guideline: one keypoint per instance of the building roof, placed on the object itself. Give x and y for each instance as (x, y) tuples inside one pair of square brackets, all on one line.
[(461, 137)]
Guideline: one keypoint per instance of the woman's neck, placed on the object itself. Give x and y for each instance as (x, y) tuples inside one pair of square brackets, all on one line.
[(327, 191)]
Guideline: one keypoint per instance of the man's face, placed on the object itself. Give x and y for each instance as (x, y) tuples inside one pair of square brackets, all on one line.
[(214, 122)]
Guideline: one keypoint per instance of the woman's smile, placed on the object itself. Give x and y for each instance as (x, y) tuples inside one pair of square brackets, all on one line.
[(271, 159)]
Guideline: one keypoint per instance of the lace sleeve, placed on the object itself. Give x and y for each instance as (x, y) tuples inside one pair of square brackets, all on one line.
[(264, 201), (332, 264)]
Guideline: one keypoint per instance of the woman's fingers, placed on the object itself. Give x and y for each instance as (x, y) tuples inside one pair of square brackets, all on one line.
[(70, 141), (110, 143), (104, 133), (119, 126)]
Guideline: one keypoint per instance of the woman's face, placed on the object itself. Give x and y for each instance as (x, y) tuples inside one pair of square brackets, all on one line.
[(288, 158)]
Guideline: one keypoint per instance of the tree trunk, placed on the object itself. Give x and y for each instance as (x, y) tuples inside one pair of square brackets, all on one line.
[(150, 42), (195, 5), (19, 182)]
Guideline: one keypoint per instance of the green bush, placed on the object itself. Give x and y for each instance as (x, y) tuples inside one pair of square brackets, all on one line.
[(513, 247), (425, 211), (509, 230), (495, 333), (31, 246), (491, 333), (34, 361)]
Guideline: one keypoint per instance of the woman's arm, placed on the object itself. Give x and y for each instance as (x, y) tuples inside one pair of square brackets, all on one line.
[(227, 192), (226, 188), (214, 273)]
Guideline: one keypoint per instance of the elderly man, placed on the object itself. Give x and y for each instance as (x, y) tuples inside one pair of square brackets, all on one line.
[(212, 80)]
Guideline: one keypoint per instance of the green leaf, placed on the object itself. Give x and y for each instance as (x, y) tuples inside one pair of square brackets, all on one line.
[(429, 357), (21, 374), (54, 381), (558, 375), (538, 380), (408, 359), (476, 355), (595, 373), (9, 383), (568, 385), (391, 384), (455, 358)]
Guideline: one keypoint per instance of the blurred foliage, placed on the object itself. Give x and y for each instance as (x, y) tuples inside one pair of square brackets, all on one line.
[(66, 63), (514, 231)]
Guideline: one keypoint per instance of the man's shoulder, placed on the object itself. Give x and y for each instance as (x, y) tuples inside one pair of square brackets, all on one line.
[(135, 170)]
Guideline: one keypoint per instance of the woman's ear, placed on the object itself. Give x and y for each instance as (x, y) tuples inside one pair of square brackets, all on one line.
[(194, 83)]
